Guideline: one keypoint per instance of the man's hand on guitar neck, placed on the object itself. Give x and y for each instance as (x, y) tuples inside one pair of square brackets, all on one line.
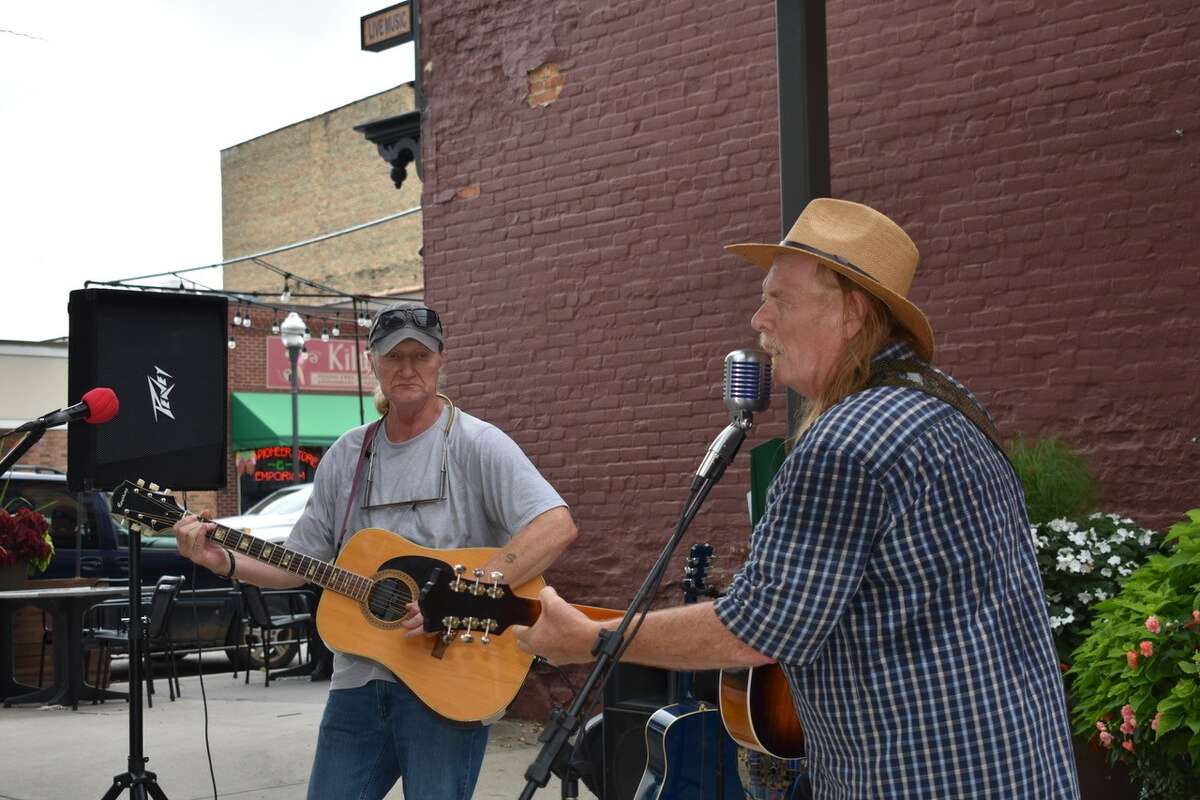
[(562, 635), (191, 537)]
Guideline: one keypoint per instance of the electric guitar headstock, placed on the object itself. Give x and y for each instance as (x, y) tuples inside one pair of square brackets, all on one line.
[(695, 573), (146, 506)]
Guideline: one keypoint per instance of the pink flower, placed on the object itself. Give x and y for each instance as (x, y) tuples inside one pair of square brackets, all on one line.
[(1127, 712), (1152, 624), (1106, 738), (1196, 616), (1128, 745), (1147, 648), (1129, 726), (1100, 726), (1132, 659), (1154, 722)]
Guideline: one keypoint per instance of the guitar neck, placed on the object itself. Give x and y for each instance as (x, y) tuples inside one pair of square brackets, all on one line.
[(526, 611), (311, 569)]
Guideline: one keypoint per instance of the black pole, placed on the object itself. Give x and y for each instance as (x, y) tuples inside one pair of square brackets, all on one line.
[(140, 782), (803, 116)]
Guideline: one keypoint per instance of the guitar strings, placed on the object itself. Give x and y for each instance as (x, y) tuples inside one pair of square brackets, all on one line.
[(390, 592)]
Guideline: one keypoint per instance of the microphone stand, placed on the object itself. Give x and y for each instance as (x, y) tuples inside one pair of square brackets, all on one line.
[(610, 645), (32, 436)]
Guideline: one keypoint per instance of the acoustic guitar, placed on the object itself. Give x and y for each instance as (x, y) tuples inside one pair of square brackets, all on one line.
[(470, 672), (757, 709)]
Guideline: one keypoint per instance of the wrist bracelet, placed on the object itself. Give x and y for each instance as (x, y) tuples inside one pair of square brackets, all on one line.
[(232, 566)]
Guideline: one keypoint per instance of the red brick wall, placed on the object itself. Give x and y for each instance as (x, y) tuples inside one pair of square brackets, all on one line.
[(589, 305), (1043, 157)]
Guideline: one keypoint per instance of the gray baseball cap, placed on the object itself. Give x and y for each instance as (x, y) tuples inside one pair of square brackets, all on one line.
[(401, 321)]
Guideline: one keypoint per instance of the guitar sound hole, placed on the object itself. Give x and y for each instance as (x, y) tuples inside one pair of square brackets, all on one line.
[(388, 599)]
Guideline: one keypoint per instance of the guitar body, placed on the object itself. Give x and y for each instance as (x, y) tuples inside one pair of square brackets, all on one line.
[(757, 709), (689, 756), (462, 683)]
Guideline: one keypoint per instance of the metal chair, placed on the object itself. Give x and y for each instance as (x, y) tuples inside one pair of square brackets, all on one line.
[(260, 617), (156, 634)]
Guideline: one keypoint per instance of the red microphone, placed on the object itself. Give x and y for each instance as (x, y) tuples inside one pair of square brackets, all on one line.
[(102, 404), (97, 405)]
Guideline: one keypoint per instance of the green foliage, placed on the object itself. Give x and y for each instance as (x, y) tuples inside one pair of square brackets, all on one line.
[(1136, 677), (1056, 479)]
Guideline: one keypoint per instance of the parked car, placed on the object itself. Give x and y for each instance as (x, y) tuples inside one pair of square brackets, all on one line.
[(92, 542), (272, 517)]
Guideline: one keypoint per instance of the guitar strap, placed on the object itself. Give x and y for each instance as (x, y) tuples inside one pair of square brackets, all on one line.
[(910, 374), (363, 453)]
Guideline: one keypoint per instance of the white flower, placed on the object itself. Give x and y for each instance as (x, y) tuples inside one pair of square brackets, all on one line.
[(1106, 572), (1062, 525), (1114, 560), (1084, 598), (1077, 538), (1102, 547), (1101, 595), (1144, 539)]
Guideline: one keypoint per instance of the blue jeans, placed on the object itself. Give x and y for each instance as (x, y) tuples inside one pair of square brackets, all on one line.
[(372, 735)]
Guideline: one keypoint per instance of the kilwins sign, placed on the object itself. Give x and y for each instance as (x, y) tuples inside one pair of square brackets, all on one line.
[(326, 366)]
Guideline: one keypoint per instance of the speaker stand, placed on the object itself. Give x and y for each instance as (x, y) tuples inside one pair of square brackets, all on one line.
[(140, 782)]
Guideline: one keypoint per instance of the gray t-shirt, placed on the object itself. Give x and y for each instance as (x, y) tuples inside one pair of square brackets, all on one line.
[(492, 491)]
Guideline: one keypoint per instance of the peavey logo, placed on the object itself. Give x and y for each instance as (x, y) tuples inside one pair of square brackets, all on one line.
[(160, 392)]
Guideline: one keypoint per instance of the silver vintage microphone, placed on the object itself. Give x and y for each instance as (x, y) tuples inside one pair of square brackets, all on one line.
[(747, 391)]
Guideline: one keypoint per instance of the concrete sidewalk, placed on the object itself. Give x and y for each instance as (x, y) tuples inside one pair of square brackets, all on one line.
[(262, 742)]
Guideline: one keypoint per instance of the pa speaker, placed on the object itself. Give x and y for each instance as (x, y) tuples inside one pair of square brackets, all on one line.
[(165, 355)]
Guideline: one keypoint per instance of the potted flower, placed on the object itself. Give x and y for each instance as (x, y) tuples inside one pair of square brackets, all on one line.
[(1136, 676), (25, 545)]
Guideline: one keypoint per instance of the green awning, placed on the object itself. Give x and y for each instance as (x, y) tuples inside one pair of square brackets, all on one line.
[(264, 419)]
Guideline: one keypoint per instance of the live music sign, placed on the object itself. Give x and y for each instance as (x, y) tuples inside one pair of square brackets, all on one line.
[(326, 367), (387, 28)]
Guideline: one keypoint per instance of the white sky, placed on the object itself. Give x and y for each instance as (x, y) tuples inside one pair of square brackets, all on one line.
[(112, 121)]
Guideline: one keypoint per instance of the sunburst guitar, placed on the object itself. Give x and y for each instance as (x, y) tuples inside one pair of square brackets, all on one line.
[(469, 672)]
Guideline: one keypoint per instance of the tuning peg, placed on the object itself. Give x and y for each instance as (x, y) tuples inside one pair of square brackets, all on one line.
[(154, 487), (141, 482)]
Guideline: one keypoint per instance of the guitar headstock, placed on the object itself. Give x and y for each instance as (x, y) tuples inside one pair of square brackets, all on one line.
[(451, 602), (695, 573), (146, 506)]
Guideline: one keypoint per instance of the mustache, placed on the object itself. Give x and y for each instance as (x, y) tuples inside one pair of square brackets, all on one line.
[(767, 343)]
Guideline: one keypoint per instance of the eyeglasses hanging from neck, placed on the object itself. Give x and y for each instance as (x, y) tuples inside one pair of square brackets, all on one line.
[(365, 500)]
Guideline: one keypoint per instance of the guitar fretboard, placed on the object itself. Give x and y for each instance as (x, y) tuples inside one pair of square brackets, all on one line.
[(311, 569)]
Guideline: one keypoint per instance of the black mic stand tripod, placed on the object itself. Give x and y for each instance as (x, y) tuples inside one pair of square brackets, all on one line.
[(611, 644), (140, 782)]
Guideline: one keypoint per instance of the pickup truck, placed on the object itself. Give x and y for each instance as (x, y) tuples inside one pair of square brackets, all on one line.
[(91, 542)]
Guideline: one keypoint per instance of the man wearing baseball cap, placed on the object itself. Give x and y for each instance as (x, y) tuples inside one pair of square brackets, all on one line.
[(892, 576), (444, 479)]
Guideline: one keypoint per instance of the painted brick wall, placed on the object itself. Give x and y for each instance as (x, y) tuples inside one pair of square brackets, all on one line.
[(584, 165), (1044, 156)]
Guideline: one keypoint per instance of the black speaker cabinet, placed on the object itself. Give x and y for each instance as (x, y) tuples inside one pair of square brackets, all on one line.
[(165, 355)]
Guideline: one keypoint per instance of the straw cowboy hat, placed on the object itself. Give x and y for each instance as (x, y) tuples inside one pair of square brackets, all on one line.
[(862, 244)]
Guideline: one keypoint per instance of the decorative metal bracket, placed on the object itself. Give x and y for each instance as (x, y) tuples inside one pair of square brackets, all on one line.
[(398, 140)]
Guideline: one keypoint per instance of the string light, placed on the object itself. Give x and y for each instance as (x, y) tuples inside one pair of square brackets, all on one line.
[(246, 319), (324, 335), (237, 317), (336, 331), (286, 295), (232, 344)]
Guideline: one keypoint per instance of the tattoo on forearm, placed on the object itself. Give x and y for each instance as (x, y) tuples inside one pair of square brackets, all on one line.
[(510, 557)]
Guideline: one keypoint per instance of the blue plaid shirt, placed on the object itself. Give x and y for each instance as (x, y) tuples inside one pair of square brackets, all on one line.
[(894, 578)]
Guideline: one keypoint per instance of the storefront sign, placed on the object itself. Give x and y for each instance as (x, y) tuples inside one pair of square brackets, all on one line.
[(274, 464), (325, 367), (387, 28)]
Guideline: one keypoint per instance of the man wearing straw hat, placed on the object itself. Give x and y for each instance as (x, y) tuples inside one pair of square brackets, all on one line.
[(892, 575)]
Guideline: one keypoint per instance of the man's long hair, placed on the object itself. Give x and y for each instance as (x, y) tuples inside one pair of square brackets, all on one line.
[(853, 372)]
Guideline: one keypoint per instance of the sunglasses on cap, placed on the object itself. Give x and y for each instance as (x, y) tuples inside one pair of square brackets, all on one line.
[(420, 318)]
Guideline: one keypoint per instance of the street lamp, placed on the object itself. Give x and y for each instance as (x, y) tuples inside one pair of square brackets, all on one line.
[(292, 333)]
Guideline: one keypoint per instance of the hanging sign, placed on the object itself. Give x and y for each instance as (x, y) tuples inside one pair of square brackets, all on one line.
[(387, 28), (326, 366)]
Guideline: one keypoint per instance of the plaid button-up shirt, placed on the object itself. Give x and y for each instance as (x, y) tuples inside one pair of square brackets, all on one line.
[(893, 577)]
